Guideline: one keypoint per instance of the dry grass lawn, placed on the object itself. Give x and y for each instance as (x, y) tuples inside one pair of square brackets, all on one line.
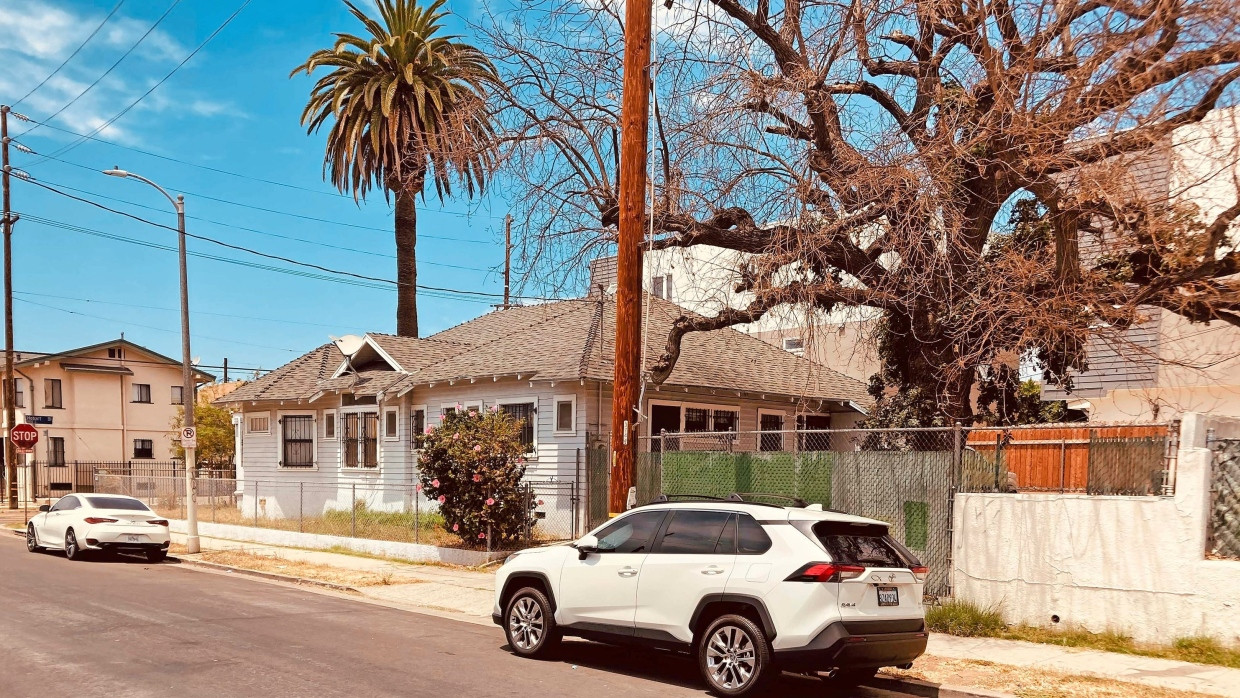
[(291, 568), (1029, 683)]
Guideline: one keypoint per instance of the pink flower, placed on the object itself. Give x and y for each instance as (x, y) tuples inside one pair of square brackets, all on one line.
[(478, 448), (540, 502), (458, 407), (521, 459), (482, 535), (456, 436), (490, 501), (456, 527), (435, 482), (473, 413), (442, 499), (428, 429), (494, 408), (477, 477), (419, 488)]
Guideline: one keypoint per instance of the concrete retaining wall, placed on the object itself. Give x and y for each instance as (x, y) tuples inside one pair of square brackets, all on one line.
[(1135, 565), (406, 551)]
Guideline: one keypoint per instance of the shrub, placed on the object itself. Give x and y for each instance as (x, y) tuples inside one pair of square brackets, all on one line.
[(472, 464)]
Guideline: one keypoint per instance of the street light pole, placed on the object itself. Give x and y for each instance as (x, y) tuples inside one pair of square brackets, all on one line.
[(188, 393)]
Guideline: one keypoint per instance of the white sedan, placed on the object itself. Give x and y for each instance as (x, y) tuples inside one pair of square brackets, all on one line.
[(109, 522)]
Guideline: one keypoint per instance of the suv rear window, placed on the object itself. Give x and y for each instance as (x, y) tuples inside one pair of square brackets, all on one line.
[(121, 503), (860, 544)]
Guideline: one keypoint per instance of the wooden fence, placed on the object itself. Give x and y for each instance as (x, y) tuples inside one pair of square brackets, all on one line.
[(1060, 458)]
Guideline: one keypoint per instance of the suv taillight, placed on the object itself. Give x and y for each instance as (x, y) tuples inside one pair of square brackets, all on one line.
[(920, 573), (158, 522), (825, 572)]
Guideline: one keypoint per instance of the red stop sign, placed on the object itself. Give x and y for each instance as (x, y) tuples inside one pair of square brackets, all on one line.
[(24, 436)]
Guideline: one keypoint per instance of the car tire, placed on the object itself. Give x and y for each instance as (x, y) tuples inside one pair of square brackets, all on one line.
[(72, 550), (529, 624), (32, 542), (734, 657), (156, 555)]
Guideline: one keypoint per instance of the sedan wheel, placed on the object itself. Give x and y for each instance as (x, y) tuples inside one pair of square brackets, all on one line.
[(72, 551), (529, 624), (734, 656), (32, 543)]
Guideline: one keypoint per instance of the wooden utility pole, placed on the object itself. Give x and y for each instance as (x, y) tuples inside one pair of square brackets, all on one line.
[(507, 256), (634, 123), (10, 414)]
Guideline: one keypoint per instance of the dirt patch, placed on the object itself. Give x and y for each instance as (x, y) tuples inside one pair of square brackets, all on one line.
[(1029, 683), (293, 568)]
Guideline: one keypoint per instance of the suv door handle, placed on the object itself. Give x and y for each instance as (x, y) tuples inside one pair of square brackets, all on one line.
[(713, 570), (627, 572)]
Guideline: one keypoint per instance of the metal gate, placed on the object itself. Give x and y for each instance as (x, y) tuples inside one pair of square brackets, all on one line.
[(1224, 538)]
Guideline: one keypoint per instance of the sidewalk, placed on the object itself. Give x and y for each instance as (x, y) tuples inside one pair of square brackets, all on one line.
[(467, 594)]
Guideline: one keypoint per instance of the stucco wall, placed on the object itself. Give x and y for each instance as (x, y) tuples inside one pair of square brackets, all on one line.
[(1130, 564)]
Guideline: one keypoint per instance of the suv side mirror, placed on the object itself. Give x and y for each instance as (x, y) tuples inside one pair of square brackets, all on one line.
[(45, 507), (586, 545)]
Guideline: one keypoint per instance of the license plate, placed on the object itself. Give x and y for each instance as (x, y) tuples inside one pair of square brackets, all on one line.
[(133, 538), (888, 596)]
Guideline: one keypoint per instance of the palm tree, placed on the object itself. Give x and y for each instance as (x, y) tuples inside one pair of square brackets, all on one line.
[(407, 102)]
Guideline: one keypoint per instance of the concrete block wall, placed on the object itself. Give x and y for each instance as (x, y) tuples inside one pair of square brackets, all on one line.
[(1134, 565)]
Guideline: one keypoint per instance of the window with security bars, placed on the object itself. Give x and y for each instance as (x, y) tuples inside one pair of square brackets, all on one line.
[(361, 439), (813, 441), (56, 450), (523, 411), (143, 448), (417, 425), (297, 433), (774, 440), (698, 419)]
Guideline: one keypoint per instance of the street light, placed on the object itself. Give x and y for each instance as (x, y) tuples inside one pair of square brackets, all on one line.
[(188, 394)]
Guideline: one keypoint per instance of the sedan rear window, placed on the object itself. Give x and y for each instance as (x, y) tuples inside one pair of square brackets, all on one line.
[(859, 544), (117, 503)]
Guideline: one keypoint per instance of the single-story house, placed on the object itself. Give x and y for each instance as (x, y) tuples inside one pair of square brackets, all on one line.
[(325, 425)]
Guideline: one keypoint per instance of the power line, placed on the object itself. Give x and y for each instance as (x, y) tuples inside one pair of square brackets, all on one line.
[(112, 67), (151, 327), (356, 279), (174, 310), (66, 61), (109, 122), (239, 204)]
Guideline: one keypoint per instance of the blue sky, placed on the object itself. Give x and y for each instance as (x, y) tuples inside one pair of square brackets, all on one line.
[(231, 107)]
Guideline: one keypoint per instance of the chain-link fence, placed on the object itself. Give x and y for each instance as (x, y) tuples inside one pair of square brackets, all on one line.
[(905, 477), (1224, 537), (366, 509)]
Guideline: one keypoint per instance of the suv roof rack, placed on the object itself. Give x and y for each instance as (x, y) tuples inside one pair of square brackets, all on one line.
[(739, 497), (793, 501), (664, 498)]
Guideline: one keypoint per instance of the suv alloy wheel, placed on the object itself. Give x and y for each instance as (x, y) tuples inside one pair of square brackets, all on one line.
[(529, 624), (734, 656), (72, 551), (32, 543)]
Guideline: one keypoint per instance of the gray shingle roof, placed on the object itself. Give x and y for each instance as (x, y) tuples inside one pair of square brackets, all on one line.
[(562, 340)]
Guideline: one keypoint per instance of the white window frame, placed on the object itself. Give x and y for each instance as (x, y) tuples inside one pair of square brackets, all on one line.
[(465, 405), (555, 415), (249, 426), (332, 417), (384, 425), (532, 454), (701, 405), (783, 426), (360, 409), (314, 443), (172, 396), (426, 420)]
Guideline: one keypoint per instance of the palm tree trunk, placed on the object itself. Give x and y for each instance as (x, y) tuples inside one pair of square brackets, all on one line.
[(406, 262)]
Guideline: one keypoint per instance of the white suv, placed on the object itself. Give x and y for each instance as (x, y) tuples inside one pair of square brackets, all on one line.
[(749, 589)]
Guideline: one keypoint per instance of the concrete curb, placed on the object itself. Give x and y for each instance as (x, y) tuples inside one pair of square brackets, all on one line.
[(931, 690), (274, 576)]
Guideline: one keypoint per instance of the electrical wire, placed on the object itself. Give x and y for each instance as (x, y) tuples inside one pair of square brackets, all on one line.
[(229, 202), (130, 323), (176, 310), (99, 129), (112, 67), (71, 57)]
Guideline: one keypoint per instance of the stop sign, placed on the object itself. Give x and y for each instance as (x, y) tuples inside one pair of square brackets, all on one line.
[(24, 436)]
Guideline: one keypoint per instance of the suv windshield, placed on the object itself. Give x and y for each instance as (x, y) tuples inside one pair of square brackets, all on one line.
[(860, 544), (122, 503)]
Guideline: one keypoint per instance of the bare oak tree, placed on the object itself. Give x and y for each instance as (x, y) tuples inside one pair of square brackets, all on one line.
[(972, 172)]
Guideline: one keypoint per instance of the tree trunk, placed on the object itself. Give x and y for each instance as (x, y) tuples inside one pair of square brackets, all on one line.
[(406, 262)]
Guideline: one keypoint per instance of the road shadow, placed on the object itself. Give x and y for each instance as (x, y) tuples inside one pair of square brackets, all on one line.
[(111, 558), (677, 669)]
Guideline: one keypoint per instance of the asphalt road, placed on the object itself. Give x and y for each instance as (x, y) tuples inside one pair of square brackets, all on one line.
[(129, 628)]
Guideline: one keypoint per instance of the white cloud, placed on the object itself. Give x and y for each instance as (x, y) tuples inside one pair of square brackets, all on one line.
[(39, 30)]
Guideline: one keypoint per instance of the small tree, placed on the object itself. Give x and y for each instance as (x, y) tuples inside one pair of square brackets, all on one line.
[(215, 434), (472, 464)]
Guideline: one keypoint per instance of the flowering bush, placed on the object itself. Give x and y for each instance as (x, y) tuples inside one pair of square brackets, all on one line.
[(472, 464)]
